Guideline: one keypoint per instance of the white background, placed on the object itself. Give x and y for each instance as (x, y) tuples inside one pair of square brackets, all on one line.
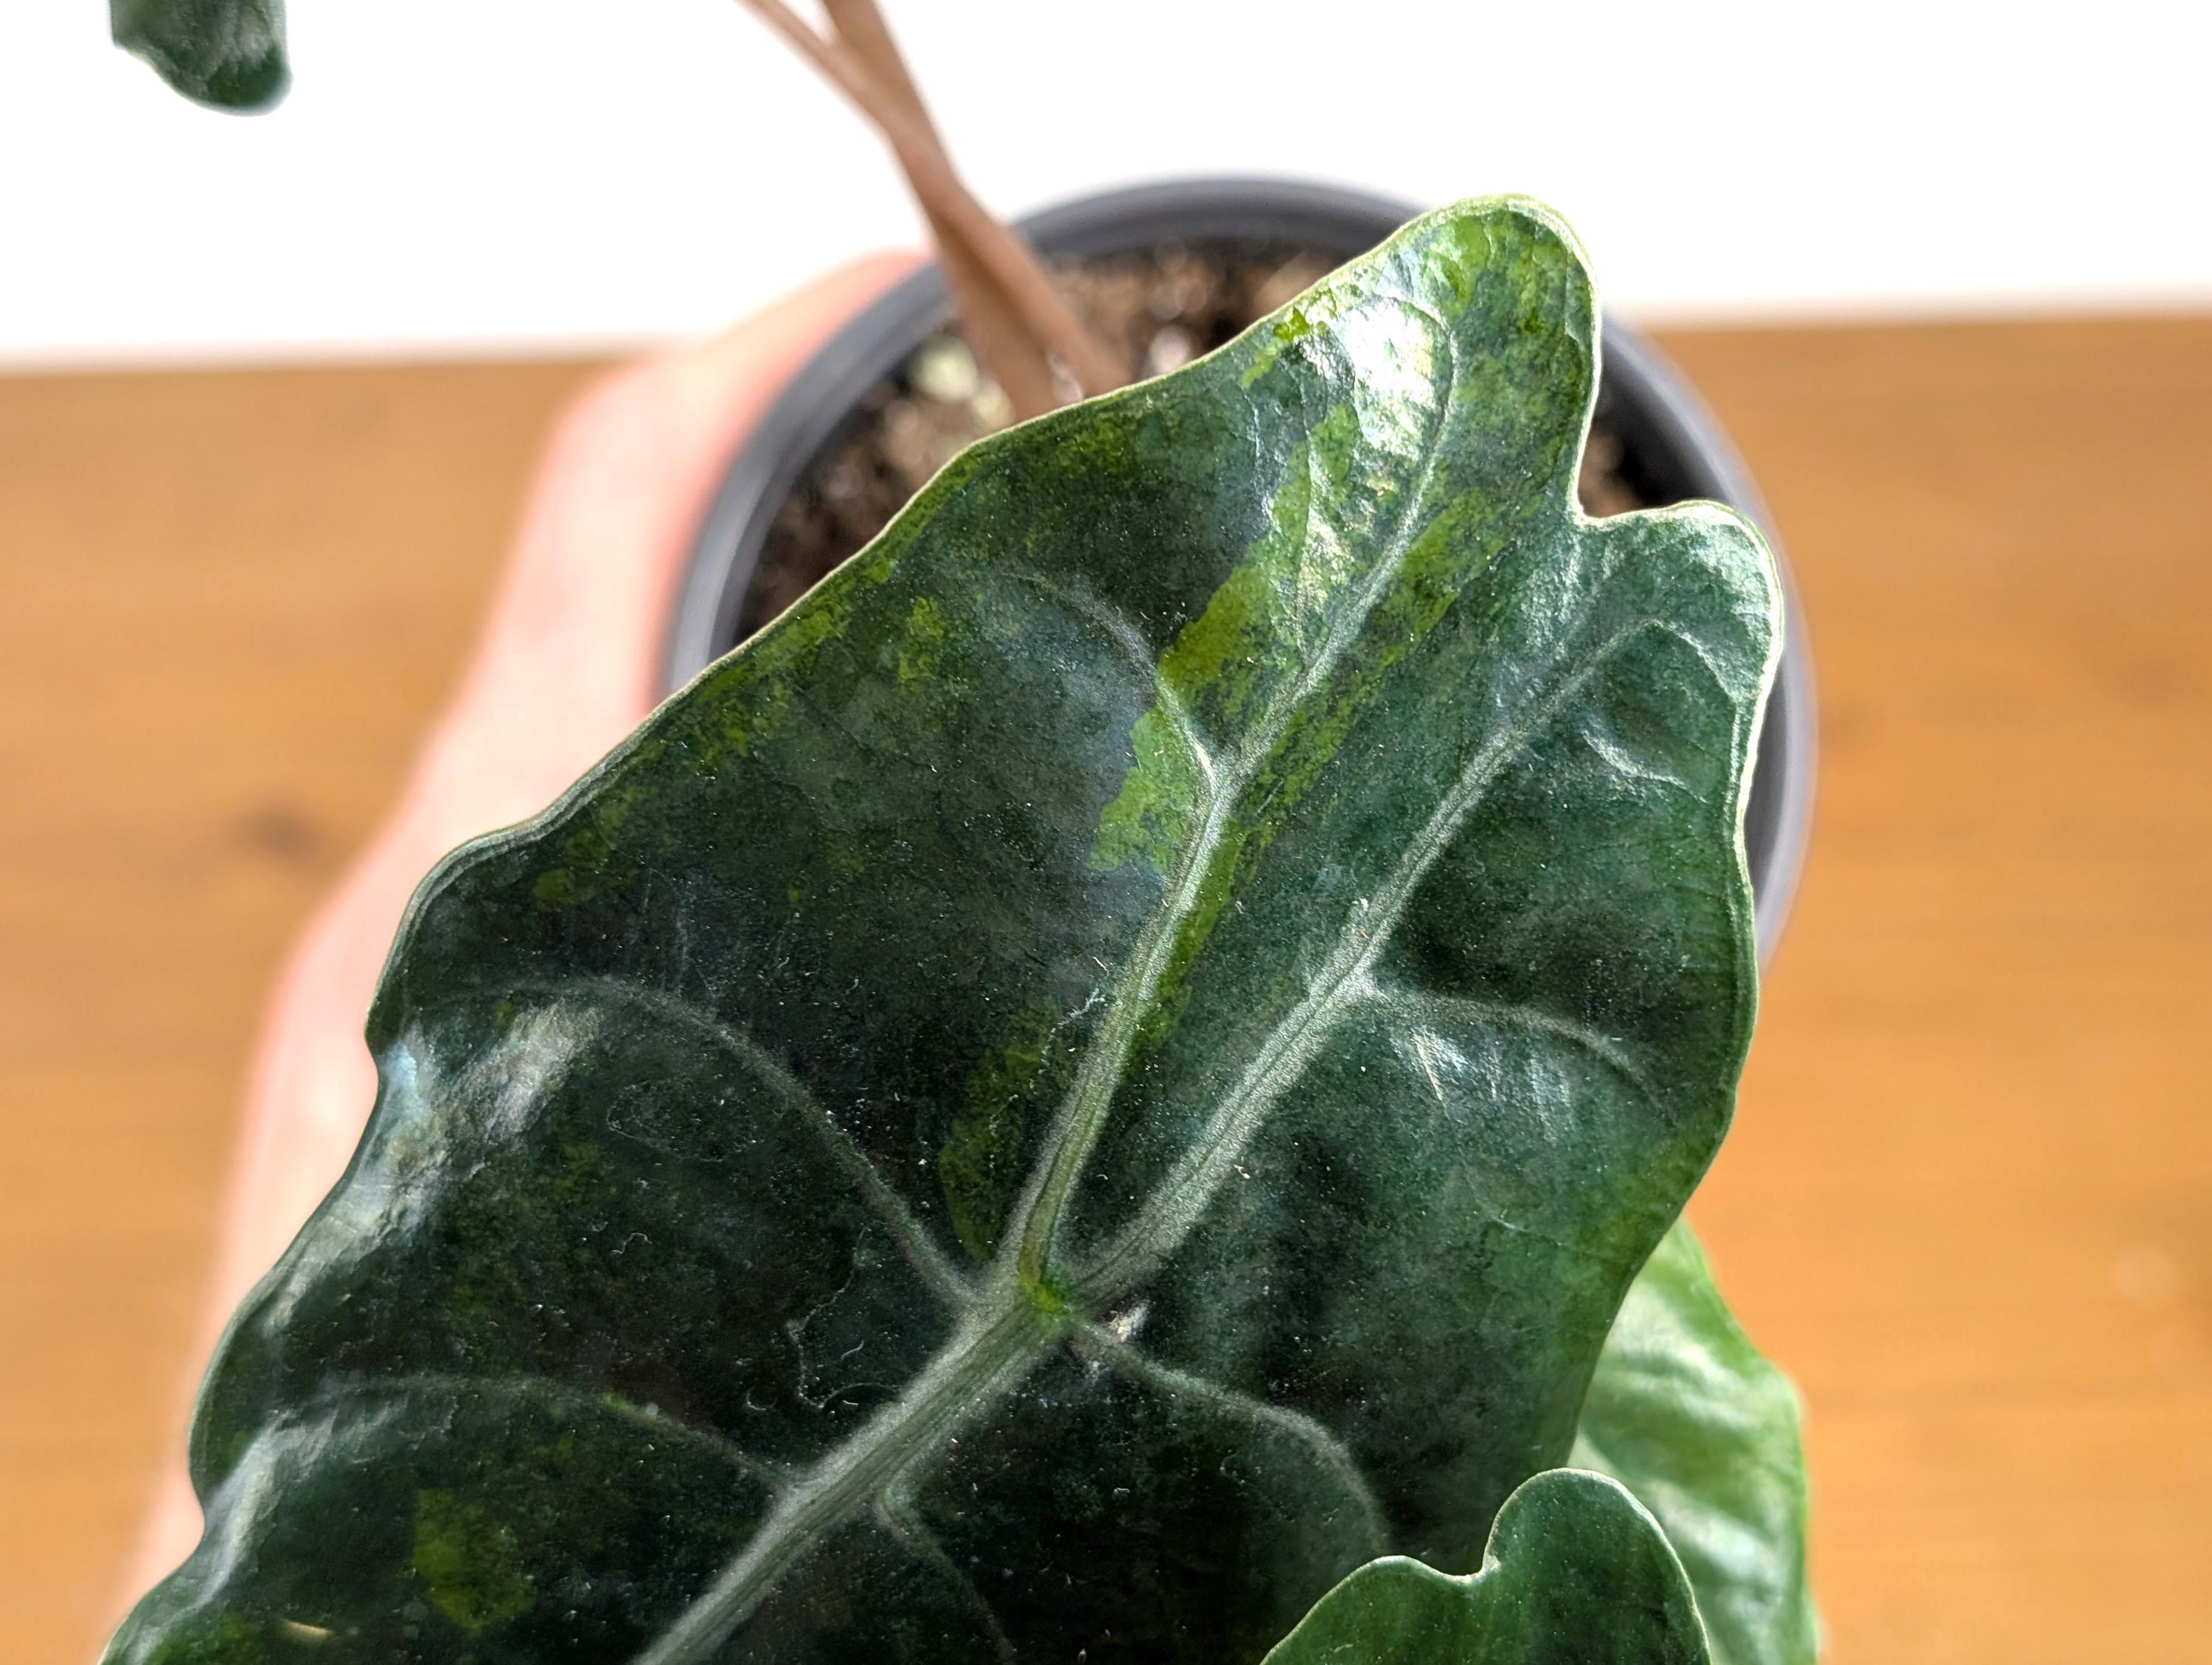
[(473, 175)]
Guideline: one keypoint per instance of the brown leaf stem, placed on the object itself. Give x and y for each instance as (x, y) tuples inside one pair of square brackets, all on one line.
[(1010, 262), (1010, 353)]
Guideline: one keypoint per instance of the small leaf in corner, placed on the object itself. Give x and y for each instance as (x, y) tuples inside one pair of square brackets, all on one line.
[(227, 53), (1685, 1413), (1576, 1573)]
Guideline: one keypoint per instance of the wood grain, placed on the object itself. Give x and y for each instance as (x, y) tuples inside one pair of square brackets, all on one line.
[(1969, 1199), (228, 604)]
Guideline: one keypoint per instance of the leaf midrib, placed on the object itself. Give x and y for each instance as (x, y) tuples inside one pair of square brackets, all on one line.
[(982, 1361), (1082, 1120)]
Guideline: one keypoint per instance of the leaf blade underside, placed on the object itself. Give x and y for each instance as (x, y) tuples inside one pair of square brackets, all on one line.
[(1687, 1414), (1112, 1066)]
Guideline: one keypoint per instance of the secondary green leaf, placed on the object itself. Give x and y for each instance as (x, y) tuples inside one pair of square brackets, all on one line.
[(1112, 1066), (224, 52), (1689, 1415), (1576, 1573)]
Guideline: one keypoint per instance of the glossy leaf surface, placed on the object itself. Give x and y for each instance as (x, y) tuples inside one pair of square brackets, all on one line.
[(1112, 1065), (1704, 1431), (229, 53), (1576, 1573)]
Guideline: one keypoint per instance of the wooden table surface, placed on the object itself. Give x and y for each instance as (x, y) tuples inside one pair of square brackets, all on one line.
[(1969, 1198)]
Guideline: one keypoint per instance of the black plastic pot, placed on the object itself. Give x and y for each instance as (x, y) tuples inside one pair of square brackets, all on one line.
[(1672, 449)]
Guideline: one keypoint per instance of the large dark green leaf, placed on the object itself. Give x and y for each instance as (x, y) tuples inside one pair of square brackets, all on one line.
[(1576, 1573), (1687, 1412), (1112, 1065), (224, 52)]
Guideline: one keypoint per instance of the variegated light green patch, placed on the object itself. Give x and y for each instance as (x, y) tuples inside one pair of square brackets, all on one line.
[(470, 1562), (925, 636), (1214, 666), (978, 1164), (1160, 806)]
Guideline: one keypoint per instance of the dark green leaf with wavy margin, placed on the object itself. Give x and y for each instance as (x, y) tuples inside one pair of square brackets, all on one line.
[(1688, 1414), (1112, 1065), (1576, 1573), (229, 53)]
